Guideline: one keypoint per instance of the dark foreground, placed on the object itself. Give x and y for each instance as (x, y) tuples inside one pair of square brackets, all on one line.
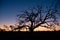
[(29, 32), (29, 35)]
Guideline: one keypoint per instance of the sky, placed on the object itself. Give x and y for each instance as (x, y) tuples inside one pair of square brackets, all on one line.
[(10, 8)]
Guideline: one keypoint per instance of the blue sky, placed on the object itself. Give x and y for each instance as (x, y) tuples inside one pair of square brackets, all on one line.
[(10, 8)]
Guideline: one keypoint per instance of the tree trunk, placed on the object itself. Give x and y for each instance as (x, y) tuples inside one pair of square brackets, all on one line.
[(31, 30)]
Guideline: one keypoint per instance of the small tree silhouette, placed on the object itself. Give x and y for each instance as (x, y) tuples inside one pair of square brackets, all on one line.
[(37, 17), (6, 27), (12, 27), (2, 30)]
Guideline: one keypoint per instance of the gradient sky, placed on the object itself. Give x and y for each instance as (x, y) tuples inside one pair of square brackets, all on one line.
[(10, 8)]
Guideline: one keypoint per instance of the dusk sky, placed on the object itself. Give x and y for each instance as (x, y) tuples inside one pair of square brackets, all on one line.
[(10, 8)]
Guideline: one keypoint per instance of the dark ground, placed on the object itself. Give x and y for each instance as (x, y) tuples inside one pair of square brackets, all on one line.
[(30, 35)]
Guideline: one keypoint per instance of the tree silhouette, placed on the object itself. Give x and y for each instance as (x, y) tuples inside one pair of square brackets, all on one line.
[(12, 27), (37, 16), (2, 30), (20, 27), (6, 27)]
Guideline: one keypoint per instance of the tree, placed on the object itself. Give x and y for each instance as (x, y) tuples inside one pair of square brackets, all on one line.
[(20, 27), (37, 16), (2, 30), (6, 27)]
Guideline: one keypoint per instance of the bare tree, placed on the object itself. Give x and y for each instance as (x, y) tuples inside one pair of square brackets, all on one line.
[(2, 29), (37, 17), (20, 27)]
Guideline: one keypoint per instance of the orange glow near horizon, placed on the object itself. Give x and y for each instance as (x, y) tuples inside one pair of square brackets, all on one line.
[(37, 29)]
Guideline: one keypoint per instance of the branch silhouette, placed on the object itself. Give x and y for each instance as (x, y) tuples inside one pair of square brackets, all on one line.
[(36, 17)]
